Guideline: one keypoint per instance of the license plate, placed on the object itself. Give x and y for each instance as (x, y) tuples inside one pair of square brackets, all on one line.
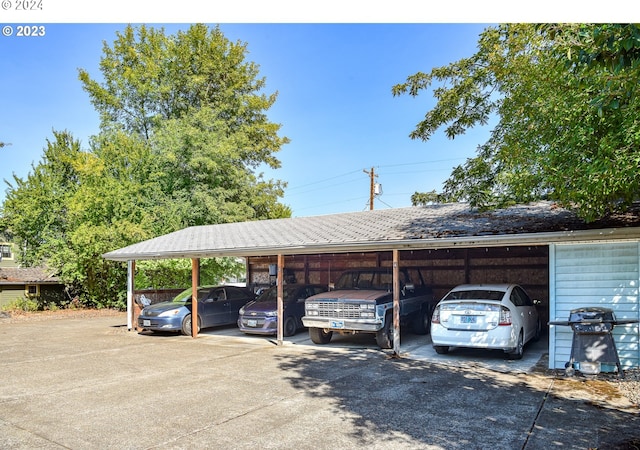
[(146, 323), (252, 323), (337, 324), (467, 319)]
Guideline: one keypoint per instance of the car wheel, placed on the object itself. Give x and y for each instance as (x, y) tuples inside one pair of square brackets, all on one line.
[(441, 349), (422, 322), (384, 337), (517, 352), (536, 337), (320, 336), (186, 325), (290, 326)]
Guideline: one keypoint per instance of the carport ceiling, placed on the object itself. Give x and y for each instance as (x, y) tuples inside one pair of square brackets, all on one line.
[(435, 226)]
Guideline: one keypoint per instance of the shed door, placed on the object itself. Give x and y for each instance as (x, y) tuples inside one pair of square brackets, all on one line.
[(605, 275)]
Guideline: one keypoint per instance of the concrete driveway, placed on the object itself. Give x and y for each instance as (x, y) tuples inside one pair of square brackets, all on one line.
[(90, 384), (414, 347)]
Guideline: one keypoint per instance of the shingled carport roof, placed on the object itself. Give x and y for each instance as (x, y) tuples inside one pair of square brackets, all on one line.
[(434, 226)]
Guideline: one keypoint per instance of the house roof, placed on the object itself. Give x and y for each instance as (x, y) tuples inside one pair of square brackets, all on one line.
[(26, 275), (434, 226)]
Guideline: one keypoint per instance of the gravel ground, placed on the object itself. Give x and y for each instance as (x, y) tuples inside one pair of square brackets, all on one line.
[(20, 316), (629, 386)]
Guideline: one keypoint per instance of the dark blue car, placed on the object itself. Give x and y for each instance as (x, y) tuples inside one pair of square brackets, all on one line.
[(217, 305), (261, 315)]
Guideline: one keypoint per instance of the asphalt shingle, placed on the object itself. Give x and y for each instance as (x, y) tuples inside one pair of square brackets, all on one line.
[(363, 229)]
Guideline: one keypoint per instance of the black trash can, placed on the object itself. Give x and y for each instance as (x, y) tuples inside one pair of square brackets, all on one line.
[(593, 343)]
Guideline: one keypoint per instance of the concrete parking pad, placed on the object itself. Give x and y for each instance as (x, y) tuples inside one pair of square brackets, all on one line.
[(90, 383)]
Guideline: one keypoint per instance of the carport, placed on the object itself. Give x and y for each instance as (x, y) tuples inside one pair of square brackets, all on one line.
[(313, 246)]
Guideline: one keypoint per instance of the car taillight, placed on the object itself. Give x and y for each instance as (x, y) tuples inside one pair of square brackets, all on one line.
[(436, 315), (505, 316)]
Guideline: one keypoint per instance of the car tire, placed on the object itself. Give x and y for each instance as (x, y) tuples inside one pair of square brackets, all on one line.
[(384, 337), (518, 352), (441, 349), (186, 325), (290, 326), (422, 322), (320, 336)]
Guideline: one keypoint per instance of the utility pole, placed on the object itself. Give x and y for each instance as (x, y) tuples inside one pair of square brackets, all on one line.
[(372, 188)]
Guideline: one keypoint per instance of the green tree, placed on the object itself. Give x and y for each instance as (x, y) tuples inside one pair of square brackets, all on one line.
[(183, 132), (34, 208), (72, 208), (176, 273), (201, 107), (564, 98)]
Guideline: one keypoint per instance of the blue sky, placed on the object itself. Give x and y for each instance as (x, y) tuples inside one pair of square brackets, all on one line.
[(334, 102)]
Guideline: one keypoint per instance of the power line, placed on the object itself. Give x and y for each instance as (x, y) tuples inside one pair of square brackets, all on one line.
[(325, 180), (319, 188)]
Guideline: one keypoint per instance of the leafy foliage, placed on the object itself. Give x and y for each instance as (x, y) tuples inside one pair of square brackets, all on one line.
[(565, 100), (176, 273), (183, 131)]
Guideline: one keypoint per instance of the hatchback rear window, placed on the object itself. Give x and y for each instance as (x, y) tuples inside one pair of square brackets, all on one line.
[(476, 294)]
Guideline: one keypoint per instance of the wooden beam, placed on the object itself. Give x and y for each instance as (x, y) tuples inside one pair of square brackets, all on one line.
[(280, 284), (396, 304)]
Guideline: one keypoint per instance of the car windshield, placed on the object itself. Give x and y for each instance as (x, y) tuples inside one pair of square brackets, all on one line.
[(271, 294), (367, 280), (185, 296), (475, 294)]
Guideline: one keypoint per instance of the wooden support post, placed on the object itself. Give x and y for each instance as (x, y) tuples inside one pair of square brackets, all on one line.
[(280, 284), (396, 304), (131, 316), (195, 278)]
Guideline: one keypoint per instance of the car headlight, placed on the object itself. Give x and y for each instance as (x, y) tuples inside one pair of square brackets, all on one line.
[(271, 313), (367, 310), (171, 312), (241, 312)]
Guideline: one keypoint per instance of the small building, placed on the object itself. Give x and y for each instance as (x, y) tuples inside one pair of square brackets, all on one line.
[(23, 283)]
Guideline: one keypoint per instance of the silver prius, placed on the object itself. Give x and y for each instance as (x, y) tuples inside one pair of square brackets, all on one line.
[(489, 316)]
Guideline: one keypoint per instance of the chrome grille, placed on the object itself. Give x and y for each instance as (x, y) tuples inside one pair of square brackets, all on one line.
[(339, 310)]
